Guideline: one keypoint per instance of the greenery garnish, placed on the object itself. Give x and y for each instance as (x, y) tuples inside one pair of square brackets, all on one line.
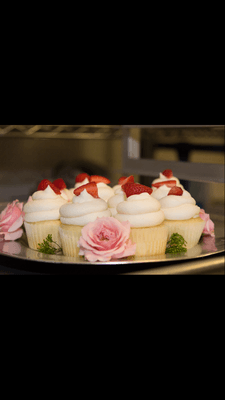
[(47, 246), (176, 244)]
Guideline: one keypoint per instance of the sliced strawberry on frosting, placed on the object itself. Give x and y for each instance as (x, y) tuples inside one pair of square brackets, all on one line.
[(175, 191), (131, 189), (168, 173), (81, 177), (59, 183), (45, 183), (123, 180), (167, 183), (91, 188), (99, 179)]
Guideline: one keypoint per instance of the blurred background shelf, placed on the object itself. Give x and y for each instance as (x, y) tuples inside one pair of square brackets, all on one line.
[(195, 153), (61, 131)]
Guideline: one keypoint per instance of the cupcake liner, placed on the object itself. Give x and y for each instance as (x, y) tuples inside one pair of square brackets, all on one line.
[(38, 231), (70, 235), (190, 229), (150, 241)]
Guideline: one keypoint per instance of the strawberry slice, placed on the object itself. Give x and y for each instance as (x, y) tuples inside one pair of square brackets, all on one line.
[(81, 177), (59, 183), (131, 189), (175, 191), (99, 179), (168, 173), (123, 180), (45, 183), (167, 183), (91, 188)]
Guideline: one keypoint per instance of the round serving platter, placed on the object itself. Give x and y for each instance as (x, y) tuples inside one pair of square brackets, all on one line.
[(20, 250), (24, 258)]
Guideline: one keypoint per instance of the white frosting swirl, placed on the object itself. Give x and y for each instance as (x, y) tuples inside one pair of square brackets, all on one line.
[(179, 207), (44, 205), (163, 178), (78, 184), (116, 187), (67, 194), (140, 210), (104, 191), (163, 191), (83, 209), (115, 200)]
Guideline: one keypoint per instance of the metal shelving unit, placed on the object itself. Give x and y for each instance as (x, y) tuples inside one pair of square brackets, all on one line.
[(189, 171), (61, 131), (132, 162)]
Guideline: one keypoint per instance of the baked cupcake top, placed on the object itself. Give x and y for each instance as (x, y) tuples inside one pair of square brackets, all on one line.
[(86, 206), (43, 205), (179, 205), (139, 207)]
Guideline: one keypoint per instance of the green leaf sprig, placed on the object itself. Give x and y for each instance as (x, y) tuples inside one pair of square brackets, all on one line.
[(176, 244), (48, 247)]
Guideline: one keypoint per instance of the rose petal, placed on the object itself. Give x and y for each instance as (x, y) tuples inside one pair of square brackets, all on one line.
[(13, 235), (17, 224)]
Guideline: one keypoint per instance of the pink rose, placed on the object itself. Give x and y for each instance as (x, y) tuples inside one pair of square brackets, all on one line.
[(106, 239), (11, 220), (209, 226)]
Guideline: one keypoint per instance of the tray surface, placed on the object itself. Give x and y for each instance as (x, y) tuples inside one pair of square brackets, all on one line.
[(19, 250), (207, 246)]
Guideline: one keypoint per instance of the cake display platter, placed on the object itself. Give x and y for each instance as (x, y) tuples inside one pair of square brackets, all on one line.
[(19, 252), (20, 249)]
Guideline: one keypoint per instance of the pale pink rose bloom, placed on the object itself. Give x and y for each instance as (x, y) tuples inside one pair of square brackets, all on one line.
[(11, 220), (106, 239), (209, 226)]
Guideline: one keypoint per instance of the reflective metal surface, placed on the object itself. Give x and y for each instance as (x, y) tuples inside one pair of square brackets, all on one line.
[(19, 249), (207, 257)]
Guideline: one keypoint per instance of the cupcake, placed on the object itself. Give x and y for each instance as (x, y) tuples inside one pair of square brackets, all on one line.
[(165, 176), (146, 219), (86, 206), (119, 194), (42, 214), (182, 215)]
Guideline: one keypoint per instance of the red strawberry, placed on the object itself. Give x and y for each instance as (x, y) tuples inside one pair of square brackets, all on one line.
[(135, 188), (168, 173), (176, 191), (44, 183), (81, 177), (98, 179), (123, 180), (90, 187), (59, 183), (167, 183)]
